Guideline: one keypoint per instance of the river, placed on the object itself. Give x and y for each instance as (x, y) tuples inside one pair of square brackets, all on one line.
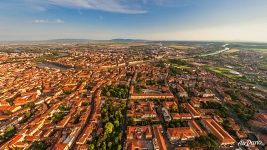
[(217, 52)]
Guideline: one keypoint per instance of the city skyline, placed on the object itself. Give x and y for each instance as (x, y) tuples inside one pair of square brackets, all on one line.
[(240, 20)]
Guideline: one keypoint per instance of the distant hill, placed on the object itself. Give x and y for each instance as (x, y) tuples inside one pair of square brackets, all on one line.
[(67, 41), (53, 41), (128, 40), (122, 40), (73, 41)]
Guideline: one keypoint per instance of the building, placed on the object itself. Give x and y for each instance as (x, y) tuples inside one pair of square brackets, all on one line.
[(139, 132), (176, 116), (192, 110), (214, 128), (196, 128), (137, 145), (87, 135), (142, 110), (208, 93), (166, 114), (139, 137), (159, 139), (182, 92), (262, 118), (170, 105), (185, 116), (181, 134), (152, 96), (61, 146), (195, 101), (182, 148)]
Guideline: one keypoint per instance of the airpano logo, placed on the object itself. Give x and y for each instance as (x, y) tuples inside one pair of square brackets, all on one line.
[(249, 143)]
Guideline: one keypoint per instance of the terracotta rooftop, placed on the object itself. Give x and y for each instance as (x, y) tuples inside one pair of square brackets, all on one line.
[(160, 139), (196, 128), (224, 137), (136, 144), (192, 110), (181, 133), (139, 132)]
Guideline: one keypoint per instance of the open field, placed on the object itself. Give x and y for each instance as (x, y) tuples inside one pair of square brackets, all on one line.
[(181, 66), (231, 51), (183, 47), (263, 66), (224, 72), (262, 51)]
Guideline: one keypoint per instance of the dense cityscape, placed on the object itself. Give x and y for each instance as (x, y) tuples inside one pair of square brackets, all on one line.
[(133, 75), (123, 94)]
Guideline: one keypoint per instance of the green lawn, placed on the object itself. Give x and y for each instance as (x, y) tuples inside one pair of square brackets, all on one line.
[(223, 71), (181, 66)]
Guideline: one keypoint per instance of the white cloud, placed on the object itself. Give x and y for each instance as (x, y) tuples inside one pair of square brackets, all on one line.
[(39, 21), (59, 21), (44, 21), (118, 6), (39, 8), (174, 3)]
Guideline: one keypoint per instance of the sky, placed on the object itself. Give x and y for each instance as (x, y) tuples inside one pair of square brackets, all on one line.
[(216, 20)]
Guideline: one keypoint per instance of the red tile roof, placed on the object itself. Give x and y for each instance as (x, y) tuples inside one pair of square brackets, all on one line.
[(182, 133), (160, 139), (224, 137), (192, 110)]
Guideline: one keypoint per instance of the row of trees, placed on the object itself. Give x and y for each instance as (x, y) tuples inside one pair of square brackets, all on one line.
[(177, 61), (220, 109), (229, 129), (27, 115), (76, 118), (244, 112), (9, 132), (153, 82), (176, 94), (173, 70), (131, 122), (207, 142), (181, 109), (63, 111), (176, 123), (234, 94), (39, 145), (112, 120)]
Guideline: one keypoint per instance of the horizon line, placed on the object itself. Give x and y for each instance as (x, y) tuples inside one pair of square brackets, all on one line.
[(137, 39)]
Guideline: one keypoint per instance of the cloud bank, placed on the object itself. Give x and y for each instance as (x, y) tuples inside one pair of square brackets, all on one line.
[(114, 6), (117, 6), (44, 21)]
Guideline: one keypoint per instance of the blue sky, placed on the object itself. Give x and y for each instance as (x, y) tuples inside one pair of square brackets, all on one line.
[(229, 20)]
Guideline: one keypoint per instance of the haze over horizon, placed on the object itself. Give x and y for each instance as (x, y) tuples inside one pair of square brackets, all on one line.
[(225, 20)]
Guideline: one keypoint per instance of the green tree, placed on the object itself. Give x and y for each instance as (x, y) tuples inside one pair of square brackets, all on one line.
[(105, 119), (116, 123), (10, 131), (108, 94), (116, 140), (91, 147), (109, 145), (38, 145), (109, 128), (119, 147), (104, 147)]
